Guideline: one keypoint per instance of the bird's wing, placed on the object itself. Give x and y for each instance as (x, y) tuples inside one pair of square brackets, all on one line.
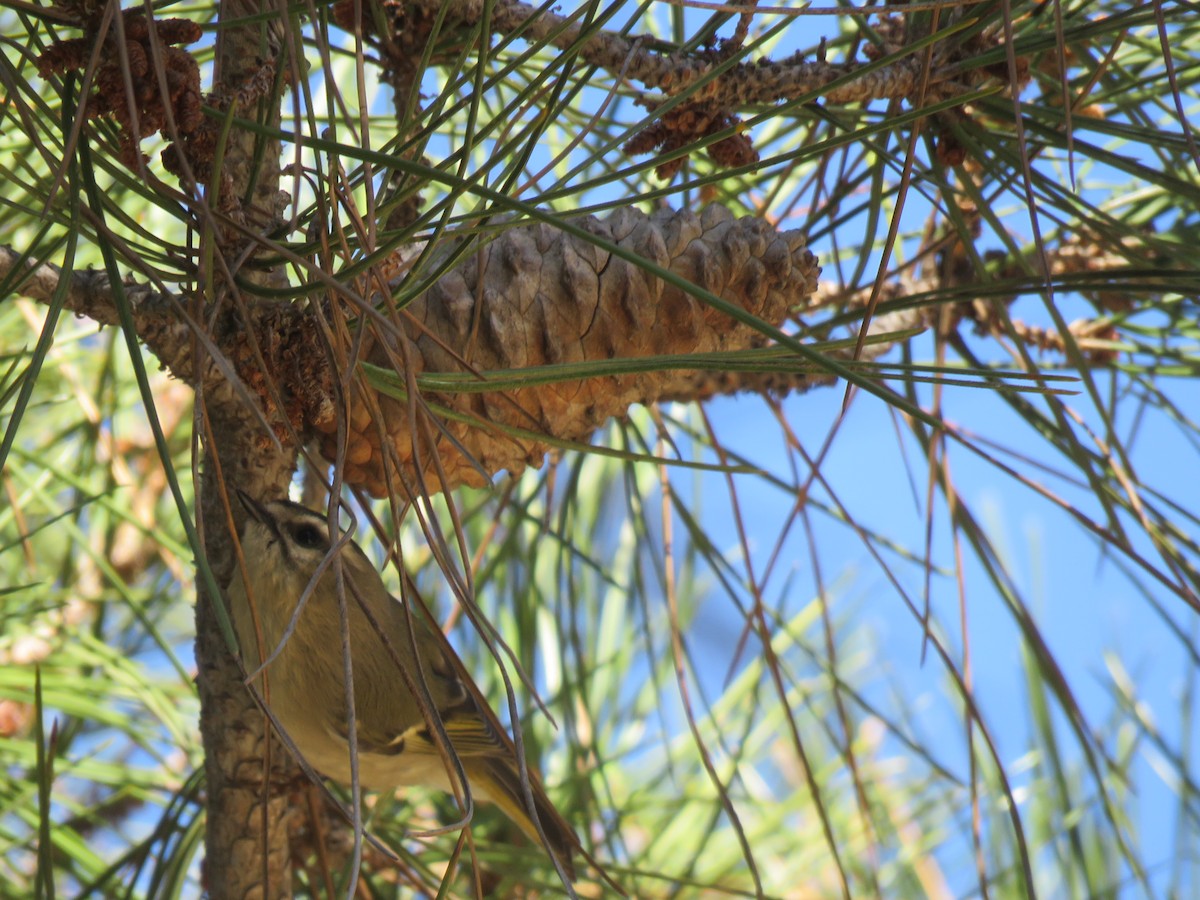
[(472, 732)]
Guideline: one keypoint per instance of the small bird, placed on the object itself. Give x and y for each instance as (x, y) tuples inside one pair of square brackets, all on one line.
[(283, 544)]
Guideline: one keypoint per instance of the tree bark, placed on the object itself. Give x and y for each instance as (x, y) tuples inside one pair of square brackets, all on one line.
[(247, 771)]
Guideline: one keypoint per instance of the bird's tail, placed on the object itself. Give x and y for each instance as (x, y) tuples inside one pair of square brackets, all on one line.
[(502, 783)]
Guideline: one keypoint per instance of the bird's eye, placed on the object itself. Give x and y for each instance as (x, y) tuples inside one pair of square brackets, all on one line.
[(309, 536)]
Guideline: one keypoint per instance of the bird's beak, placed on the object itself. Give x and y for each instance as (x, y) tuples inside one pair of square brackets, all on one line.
[(253, 507)]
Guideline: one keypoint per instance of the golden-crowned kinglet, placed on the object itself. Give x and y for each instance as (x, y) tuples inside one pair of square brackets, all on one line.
[(283, 544)]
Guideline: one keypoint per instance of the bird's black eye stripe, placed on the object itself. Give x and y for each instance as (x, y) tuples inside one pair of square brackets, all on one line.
[(309, 536)]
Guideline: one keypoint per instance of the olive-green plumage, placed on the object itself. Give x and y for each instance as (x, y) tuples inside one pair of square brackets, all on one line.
[(283, 544)]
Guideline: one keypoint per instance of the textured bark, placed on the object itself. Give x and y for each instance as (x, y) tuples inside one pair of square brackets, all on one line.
[(246, 841), (247, 810), (743, 84)]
